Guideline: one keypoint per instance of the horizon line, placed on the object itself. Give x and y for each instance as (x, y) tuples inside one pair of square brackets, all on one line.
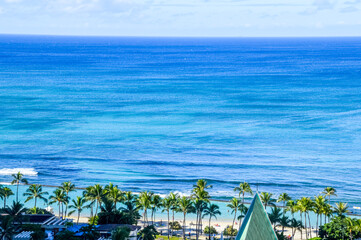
[(164, 36)]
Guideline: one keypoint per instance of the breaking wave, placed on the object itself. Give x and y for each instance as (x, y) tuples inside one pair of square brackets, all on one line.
[(24, 171)]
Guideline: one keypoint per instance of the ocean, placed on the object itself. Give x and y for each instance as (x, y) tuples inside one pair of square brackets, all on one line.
[(283, 114)]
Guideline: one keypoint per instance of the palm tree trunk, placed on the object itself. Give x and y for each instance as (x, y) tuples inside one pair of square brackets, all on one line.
[(309, 221), (301, 227), (209, 228), (172, 221), (197, 220), (306, 226), (184, 225), (4, 202), (59, 209), (77, 222), (234, 218), (17, 191), (35, 204), (317, 224), (168, 224)]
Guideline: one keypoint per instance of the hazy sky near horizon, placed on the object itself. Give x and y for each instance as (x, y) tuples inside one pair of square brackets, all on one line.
[(182, 17)]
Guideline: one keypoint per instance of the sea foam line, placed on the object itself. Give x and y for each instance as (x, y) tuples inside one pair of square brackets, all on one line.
[(24, 171)]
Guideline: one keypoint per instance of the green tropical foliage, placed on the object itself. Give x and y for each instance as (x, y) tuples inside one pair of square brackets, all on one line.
[(148, 233), (121, 233)]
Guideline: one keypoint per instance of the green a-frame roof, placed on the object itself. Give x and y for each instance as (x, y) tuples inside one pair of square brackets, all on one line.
[(256, 225)]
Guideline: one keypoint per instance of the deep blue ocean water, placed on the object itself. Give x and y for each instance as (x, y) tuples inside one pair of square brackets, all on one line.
[(159, 113)]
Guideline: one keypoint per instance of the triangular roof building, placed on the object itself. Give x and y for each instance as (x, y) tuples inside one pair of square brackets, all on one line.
[(256, 225)]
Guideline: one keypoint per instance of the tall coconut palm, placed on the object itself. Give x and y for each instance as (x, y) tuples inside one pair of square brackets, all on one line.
[(114, 194), (328, 192), (319, 205), (275, 216), (341, 209), (234, 205), (185, 205), (78, 205), (174, 198), (167, 206), (283, 197), (35, 191), (60, 198), (67, 187), (201, 196), (267, 199), (131, 208), (5, 193), (17, 179), (242, 189), (96, 193), (292, 207), (144, 203), (305, 205), (212, 210), (296, 226), (156, 203)]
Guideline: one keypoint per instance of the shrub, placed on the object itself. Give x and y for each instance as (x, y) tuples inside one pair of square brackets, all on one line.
[(175, 225), (121, 233), (213, 230), (65, 235), (229, 231)]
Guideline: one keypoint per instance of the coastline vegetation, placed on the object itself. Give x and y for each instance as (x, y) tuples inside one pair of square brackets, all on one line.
[(111, 205)]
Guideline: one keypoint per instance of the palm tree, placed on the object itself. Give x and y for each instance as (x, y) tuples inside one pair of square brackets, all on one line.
[(267, 199), (95, 193), (148, 233), (201, 196), (144, 202), (121, 233), (319, 205), (305, 205), (78, 205), (174, 198), (212, 210), (275, 216), (17, 179), (35, 191), (234, 204), (341, 209), (59, 197), (156, 203), (296, 225), (131, 208), (243, 189), (185, 205), (67, 187), (5, 193), (15, 211), (284, 222), (328, 192), (7, 228), (283, 198), (114, 194), (167, 206)]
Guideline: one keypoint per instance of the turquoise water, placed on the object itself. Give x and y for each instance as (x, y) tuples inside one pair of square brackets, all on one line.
[(159, 113)]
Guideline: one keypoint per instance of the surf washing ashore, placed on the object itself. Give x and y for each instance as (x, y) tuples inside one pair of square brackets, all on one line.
[(97, 204)]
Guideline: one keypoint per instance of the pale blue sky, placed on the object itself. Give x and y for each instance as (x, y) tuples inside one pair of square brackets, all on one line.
[(182, 17)]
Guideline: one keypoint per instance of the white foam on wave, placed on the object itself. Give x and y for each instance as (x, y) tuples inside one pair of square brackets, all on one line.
[(24, 171)]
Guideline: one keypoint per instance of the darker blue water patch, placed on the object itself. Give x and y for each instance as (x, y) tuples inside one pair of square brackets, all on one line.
[(159, 113)]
